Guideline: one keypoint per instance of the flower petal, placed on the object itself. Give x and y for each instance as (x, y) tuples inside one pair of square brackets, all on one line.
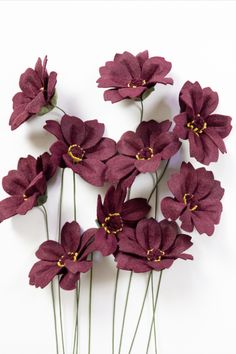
[(151, 165), (42, 273), (135, 209), (50, 251), (171, 208), (54, 128), (106, 244), (148, 234), (9, 206), (105, 149), (119, 167), (93, 133), (128, 262), (69, 280), (70, 236), (73, 129), (130, 144)]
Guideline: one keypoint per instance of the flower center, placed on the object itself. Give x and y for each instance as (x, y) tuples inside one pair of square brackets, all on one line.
[(70, 255), (188, 200), (145, 154), (197, 125), (136, 83), (113, 223), (155, 255), (76, 153)]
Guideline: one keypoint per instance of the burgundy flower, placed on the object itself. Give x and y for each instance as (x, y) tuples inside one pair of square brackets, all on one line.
[(130, 76), (152, 245), (115, 215), (37, 96), (196, 199), (196, 122), (26, 186), (81, 147), (142, 151), (67, 259)]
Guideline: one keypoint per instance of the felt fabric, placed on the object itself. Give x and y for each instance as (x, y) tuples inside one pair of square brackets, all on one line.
[(196, 199), (151, 245), (26, 185), (115, 215), (38, 91), (81, 147), (142, 151), (197, 123), (130, 76), (67, 259)]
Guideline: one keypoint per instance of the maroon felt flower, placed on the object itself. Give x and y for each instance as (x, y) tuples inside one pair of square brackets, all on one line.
[(37, 96), (204, 130), (129, 76), (67, 259), (142, 151), (27, 185), (81, 147), (196, 199), (152, 245), (116, 215)]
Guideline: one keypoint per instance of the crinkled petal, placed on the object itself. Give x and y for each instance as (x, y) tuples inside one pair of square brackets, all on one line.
[(105, 149), (128, 262), (9, 206), (105, 243), (93, 133), (78, 266), (151, 165), (171, 208), (50, 251), (135, 209), (119, 167), (148, 234), (42, 273), (130, 144), (69, 280), (54, 128), (70, 236), (73, 129)]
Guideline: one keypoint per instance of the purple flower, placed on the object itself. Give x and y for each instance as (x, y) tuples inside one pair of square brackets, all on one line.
[(196, 199), (152, 245), (67, 259), (37, 96), (130, 76), (81, 147), (114, 216), (27, 185), (142, 151), (204, 130)]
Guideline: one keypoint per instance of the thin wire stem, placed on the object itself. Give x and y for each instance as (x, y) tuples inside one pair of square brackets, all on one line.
[(141, 115), (159, 179), (59, 237), (60, 109), (52, 286), (76, 334), (90, 305), (114, 311), (125, 311), (140, 315), (153, 308), (154, 312), (75, 343)]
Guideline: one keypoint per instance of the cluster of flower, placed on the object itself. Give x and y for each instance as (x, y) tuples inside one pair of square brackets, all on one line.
[(138, 243)]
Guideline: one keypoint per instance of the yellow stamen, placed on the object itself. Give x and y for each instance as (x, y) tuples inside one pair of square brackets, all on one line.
[(138, 157), (75, 158), (194, 208), (106, 228)]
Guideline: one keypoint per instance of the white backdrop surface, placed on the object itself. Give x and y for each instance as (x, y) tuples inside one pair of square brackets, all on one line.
[(197, 303)]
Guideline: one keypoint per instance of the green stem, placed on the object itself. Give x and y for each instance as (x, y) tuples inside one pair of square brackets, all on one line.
[(75, 342), (140, 315), (90, 305), (60, 109), (59, 237), (153, 309), (125, 311), (76, 334), (159, 179), (114, 311), (52, 286), (141, 115), (154, 312)]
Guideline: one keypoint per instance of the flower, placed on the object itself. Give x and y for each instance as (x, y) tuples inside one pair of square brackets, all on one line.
[(114, 216), (130, 76), (196, 122), (37, 96), (67, 259), (81, 147), (152, 245), (196, 199), (142, 151), (27, 185)]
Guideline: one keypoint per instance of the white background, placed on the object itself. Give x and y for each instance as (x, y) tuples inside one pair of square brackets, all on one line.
[(197, 303)]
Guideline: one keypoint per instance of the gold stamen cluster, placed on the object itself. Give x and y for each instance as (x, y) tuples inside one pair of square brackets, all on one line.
[(75, 158), (138, 157), (196, 130), (185, 201), (159, 257), (107, 218), (61, 264), (130, 85)]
